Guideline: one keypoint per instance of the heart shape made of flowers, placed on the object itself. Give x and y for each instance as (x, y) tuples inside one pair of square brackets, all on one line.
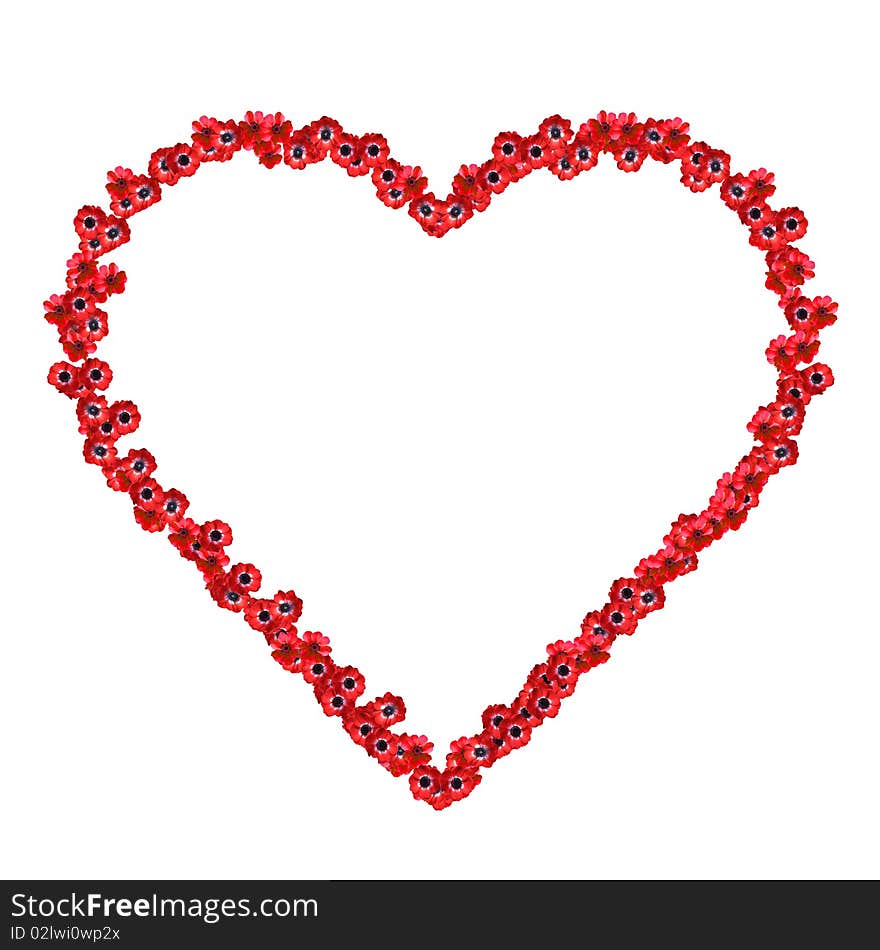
[(557, 147)]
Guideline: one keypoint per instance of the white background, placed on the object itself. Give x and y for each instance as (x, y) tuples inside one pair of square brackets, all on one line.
[(450, 449)]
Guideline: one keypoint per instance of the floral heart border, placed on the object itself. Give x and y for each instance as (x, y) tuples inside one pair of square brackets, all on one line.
[(556, 147)]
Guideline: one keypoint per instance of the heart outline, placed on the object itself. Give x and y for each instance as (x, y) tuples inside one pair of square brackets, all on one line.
[(555, 146)]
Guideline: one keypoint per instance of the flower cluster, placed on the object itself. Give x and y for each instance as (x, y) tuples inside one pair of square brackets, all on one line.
[(556, 146)]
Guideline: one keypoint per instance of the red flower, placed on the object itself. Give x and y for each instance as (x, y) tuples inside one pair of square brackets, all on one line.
[(255, 128), (91, 411), (734, 192), (387, 710), (298, 150), (315, 669), (494, 176), (159, 169), (215, 535), (289, 606), (315, 645), (65, 378), (690, 533), (781, 453), (413, 751), (147, 494), (583, 154), (224, 595), (465, 183), (604, 129), (360, 727), (494, 718), (125, 417), (717, 165), (135, 467), (95, 374), (536, 151), (333, 701), (381, 745), (515, 734), (112, 232), (817, 378), (593, 651), (556, 133), (182, 160), (562, 668), (792, 223), (349, 681), (345, 149), (458, 783), (374, 149), (119, 181), (99, 451), (457, 210), (505, 148), (414, 182), (791, 386), (618, 621), (544, 702), (694, 163), (244, 578), (425, 782), (624, 591), (751, 475), (759, 185), (425, 210), (81, 268), (766, 236), (630, 157), (323, 134), (262, 614), (562, 168), (592, 625), (109, 279), (88, 220), (727, 510)]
